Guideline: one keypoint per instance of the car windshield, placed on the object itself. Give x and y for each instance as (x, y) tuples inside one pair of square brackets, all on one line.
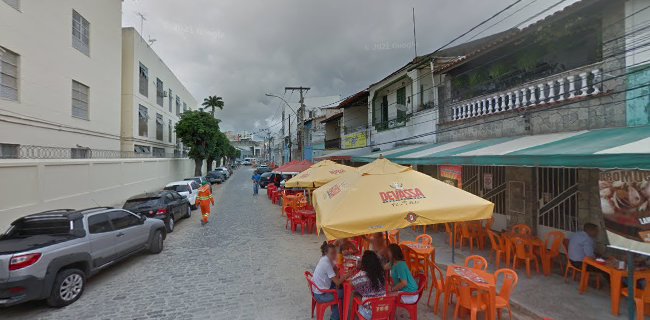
[(179, 188), (143, 202), (266, 174), (33, 226)]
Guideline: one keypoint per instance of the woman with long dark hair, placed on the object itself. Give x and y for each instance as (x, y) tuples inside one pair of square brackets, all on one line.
[(402, 278), (370, 282)]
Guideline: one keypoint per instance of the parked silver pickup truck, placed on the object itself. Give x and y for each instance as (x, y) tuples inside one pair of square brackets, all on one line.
[(49, 255)]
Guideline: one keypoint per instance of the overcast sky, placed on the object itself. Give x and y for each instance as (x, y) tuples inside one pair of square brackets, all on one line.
[(240, 50)]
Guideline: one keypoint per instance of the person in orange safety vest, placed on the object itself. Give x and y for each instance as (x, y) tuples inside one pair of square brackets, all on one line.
[(205, 199)]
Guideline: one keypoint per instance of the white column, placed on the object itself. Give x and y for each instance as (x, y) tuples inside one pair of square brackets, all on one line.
[(560, 94), (533, 99), (454, 113), (463, 114), (524, 100), (584, 88), (572, 86), (542, 94), (597, 81), (484, 106), (507, 101), (490, 106), (551, 91), (472, 107), (516, 103)]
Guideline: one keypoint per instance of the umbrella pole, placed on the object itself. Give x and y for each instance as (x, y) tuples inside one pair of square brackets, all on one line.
[(453, 243), (631, 309), (387, 242)]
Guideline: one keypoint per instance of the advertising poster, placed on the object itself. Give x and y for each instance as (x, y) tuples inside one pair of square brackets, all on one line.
[(625, 203), (452, 175), (355, 140)]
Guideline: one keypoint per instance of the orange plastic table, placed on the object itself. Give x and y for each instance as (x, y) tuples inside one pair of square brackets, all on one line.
[(486, 281), (615, 275), (535, 241)]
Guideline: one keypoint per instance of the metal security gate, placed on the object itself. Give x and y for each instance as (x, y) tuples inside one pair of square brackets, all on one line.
[(488, 182), (557, 192)]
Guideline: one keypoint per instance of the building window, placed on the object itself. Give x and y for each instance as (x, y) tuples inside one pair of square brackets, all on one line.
[(557, 191), (184, 107), (159, 126), (143, 123), (144, 80), (170, 129), (158, 152), (13, 3), (401, 103), (80, 99), (140, 149), (80, 153), (80, 33), (171, 99), (160, 92), (8, 74), (9, 151), (178, 105)]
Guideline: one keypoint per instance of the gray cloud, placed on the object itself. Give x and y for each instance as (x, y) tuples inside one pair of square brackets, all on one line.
[(242, 49)]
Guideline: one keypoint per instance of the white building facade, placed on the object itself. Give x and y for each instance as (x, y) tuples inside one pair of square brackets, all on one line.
[(152, 99), (59, 75)]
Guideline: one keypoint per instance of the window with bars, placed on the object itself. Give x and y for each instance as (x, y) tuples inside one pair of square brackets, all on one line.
[(9, 151), (160, 92), (159, 126), (143, 121), (80, 99), (138, 149), (144, 80), (401, 103), (158, 152), (8, 74), (13, 3), (488, 182), (80, 33), (171, 99), (557, 193), (170, 128), (178, 105)]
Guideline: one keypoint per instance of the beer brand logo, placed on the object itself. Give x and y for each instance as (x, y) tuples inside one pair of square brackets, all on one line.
[(401, 194), (411, 217), (333, 191), (337, 171), (397, 186)]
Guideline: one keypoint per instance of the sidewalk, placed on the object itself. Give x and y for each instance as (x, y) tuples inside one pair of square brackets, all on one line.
[(537, 297)]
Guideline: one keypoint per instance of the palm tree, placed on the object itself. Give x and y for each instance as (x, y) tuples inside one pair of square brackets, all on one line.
[(212, 102)]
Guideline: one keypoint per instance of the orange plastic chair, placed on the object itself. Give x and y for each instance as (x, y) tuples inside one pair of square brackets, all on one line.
[(382, 308), (510, 280), (437, 283), (450, 233), (424, 239), (477, 262), (320, 307), (523, 250), (393, 236), (522, 229), (498, 247), (571, 268), (641, 296), (475, 303), (468, 234), (551, 250), (412, 308), (415, 263)]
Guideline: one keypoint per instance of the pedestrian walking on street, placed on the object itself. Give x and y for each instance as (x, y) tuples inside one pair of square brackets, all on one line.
[(256, 182), (205, 200)]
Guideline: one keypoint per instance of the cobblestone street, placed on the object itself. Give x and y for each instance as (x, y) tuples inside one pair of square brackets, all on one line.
[(243, 265)]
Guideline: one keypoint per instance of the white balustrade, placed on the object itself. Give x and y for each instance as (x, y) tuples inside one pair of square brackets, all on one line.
[(551, 91), (533, 99), (583, 87), (542, 95)]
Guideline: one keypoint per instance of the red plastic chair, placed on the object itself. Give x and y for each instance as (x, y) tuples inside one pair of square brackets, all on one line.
[(297, 220), (412, 309), (320, 307), (289, 214), (383, 308)]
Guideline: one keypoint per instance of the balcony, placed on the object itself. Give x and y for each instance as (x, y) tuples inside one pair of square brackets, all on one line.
[(559, 88), (333, 144)]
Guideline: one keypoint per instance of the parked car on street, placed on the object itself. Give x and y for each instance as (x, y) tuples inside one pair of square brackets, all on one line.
[(166, 205), (262, 169), (50, 255), (199, 180), (247, 162), (265, 179), (186, 188), (215, 177), (223, 170)]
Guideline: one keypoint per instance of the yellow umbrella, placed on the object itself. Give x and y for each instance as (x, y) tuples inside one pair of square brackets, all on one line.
[(318, 175), (383, 196)]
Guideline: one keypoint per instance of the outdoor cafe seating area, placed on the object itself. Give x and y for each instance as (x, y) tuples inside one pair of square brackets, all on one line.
[(463, 269)]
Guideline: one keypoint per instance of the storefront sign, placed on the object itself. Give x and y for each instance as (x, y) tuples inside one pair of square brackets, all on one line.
[(487, 181), (452, 175), (355, 140), (625, 203)]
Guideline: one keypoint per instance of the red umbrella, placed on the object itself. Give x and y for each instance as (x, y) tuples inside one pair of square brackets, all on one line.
[(294, 166)]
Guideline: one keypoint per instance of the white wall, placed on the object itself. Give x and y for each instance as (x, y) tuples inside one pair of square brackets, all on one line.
[(30, 186), (41, 34)]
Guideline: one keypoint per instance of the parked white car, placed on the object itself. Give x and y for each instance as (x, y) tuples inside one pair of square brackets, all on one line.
[(189, 189)]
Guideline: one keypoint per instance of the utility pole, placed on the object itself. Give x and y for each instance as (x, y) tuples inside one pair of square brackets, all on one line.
[(300, 119), (289, 142)]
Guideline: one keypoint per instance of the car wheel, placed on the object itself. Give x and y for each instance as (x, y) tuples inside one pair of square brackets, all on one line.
[(169, 224), (189, 212), (68, 287), (156, 242)]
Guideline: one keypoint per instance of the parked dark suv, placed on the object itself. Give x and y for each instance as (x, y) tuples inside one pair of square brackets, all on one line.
[(215, 177), (166, 205), (265, 179)]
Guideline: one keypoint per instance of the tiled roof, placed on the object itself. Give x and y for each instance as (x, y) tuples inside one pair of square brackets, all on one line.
[(352, 100), (332, 117)]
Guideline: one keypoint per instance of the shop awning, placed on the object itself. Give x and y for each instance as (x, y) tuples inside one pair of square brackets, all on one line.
[(345, 154), (613, 148)]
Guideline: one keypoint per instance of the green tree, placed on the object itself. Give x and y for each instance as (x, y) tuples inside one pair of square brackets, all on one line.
[(197, 130), (212, 102), (218, 149)]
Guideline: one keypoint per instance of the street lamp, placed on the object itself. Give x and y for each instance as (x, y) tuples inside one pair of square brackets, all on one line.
[(294, 112)]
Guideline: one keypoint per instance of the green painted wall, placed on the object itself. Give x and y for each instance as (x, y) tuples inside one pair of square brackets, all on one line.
[(638, 100)]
